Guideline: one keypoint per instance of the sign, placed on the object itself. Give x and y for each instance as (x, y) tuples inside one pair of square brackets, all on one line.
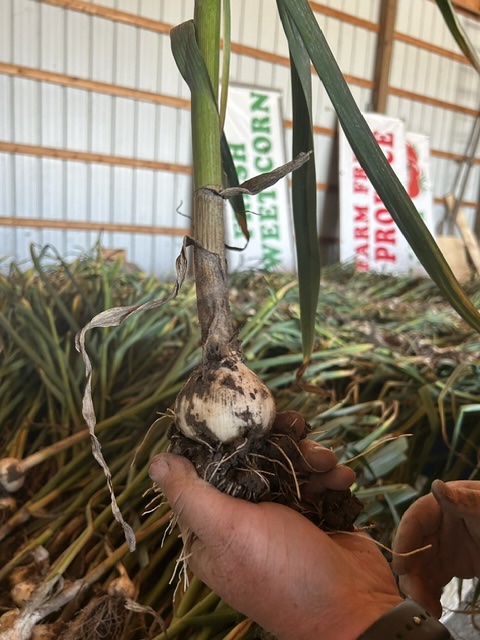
[(255, 133), (368, 233), (419, 184)]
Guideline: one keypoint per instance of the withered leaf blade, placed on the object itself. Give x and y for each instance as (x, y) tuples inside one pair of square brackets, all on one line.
[(259, 183), (113, 318)]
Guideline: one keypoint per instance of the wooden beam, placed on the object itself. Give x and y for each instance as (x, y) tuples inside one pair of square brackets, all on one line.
[(465, 203), (318, 7), (442, 104), (383, 58), (456, 157), (86, 225), (102, 11), (83, 156), (155, 165), (428, 46), (469, 6), (92, 85), (63, 80), (317, 129)]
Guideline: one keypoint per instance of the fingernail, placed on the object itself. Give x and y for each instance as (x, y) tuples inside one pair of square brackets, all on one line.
[(158, 468)]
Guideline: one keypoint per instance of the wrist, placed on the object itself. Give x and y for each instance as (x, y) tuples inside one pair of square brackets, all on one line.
[(407, 620), (367, 612), (347, 621)]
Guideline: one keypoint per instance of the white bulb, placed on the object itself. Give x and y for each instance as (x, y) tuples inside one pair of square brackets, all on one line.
[(12, 474), (224, 403)]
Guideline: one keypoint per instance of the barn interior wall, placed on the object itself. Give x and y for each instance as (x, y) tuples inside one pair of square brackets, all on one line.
[(115, 150)]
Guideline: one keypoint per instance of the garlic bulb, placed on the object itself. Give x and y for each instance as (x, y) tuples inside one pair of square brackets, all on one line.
[(12, 474), (224, 402), (21, 591), (122, 587)]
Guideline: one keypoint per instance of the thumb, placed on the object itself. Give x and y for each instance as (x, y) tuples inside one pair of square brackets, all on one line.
[(198, 505), (463, 493)]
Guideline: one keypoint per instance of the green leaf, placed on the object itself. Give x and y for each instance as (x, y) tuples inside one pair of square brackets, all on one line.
[(304, 187), (192, 67), (373, 161), (458, 32), (231, 180), (206, 153), (227, 15)]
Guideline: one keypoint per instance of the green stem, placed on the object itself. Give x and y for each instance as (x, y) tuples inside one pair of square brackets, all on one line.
[(207, 160), (208, 207), (181, 625), (64, 561), (207, 17), (146, 530), (190, 597)]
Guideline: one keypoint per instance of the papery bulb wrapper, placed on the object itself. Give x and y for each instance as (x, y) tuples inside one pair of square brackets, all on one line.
[(224, 402)]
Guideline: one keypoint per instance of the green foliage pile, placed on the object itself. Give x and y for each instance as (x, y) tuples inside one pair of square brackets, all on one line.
[(390, 359)]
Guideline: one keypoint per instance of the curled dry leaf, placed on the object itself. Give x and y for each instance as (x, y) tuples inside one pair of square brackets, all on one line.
[(113, 318)]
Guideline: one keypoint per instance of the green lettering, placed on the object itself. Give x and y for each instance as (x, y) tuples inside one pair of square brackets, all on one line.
[(259, 100), (261, 125), (264, 195), (271, 258), (262, 144), (263, 165), (241, 172), (268, 213), (237, 231), (270, 232), (239, 152)]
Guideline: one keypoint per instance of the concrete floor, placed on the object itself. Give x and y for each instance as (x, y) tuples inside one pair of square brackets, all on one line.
[(459, 624)]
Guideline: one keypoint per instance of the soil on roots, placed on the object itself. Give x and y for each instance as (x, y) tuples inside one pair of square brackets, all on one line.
[(267, 470)]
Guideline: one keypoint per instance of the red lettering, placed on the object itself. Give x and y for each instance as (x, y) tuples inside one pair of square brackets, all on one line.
[(360, 180), (386, 236), (359, 173), (386, 139), (362, 266), (361, 233), (360, 187), (362, 250), (383, 255), (361, 214), (382, 216)]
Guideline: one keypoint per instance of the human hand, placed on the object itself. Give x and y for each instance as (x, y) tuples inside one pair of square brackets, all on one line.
[(449, 520), (272, 564), (319, 462)]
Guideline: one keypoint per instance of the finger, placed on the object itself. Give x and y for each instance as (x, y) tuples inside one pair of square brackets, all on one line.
[(200, 507), (458, 499), (317, 457), (286, 421), (340, 479), (420, 523), (416, 588)]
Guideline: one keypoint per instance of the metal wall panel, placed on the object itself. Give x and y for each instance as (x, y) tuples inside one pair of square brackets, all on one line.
[(414, 69), (44, 114)]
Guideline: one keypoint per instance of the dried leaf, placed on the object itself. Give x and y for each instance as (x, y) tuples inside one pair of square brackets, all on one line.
[(265, 180), (112, 318)]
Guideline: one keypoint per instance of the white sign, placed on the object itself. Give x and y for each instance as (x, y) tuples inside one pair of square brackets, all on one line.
[(255, 133), (419, 184), (368, 233)]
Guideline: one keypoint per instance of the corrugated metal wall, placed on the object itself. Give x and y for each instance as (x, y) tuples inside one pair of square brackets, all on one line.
[(94, 117)]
